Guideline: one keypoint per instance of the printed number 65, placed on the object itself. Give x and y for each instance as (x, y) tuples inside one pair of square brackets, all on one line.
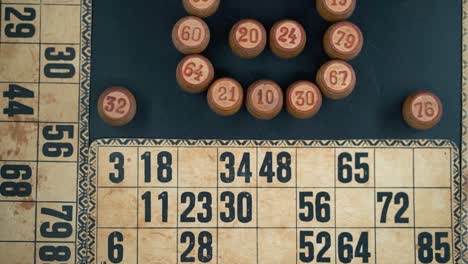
[(347, 173)]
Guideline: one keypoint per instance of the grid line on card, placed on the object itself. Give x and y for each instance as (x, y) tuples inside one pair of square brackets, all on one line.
[(177, 209), (375, 208), (258, 177), (296, 206), (43, 43), (217, 207), (138, 207), (276, 187), (36, 4), (335, 170), (97, 202), (414, 205), (289, 227), (38, 128), (451, 207)]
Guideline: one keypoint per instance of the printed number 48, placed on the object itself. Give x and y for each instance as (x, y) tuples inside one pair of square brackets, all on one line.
[(283, 171)]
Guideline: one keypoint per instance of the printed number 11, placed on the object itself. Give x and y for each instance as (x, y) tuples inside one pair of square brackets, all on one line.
[(163, 197)]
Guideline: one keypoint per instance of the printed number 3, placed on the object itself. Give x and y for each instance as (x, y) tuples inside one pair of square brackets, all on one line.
[(117, 159)]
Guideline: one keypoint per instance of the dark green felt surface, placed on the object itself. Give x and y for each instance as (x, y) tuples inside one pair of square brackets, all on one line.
[(410, 45)]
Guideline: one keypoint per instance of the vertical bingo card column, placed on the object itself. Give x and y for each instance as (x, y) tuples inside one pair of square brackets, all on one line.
[(394, 197), (157, 204), (433, 206), (237, 181), (355, 205), (197, 205), (277, 210), (19, 95), (117, 215), (316, 205), (59, 59)]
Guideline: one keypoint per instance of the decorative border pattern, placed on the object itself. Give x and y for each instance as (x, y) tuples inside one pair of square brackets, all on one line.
[(464, 142), (85, 83), (459, 227)]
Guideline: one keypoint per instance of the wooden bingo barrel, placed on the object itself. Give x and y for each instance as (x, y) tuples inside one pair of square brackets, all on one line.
[(225, 96), (195, 73), (422, 110), (117, 106), (191, 35), (264, 99), (336, 79), (343, 40), (248, 38), (201, 8), (335, 10), (287, 38), (303, 99)]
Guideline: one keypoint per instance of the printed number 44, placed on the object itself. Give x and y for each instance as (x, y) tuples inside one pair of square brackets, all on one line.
[(14, 107)]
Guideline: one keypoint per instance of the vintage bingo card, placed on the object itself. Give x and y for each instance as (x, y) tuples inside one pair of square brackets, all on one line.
[(240, 202), (44, 53)]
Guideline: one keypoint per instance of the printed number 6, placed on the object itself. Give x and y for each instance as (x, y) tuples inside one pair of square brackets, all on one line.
[(115, 252)]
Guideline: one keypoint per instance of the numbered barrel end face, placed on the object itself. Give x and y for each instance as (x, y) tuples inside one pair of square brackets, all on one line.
[(195, 73), (264, 99), (343, 40), (287, 39), (117, 106), (225, 97), (336, 79), (336, 10), (248, 38), (191, 35), (303, 100), (422, 110), (199, 8)]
